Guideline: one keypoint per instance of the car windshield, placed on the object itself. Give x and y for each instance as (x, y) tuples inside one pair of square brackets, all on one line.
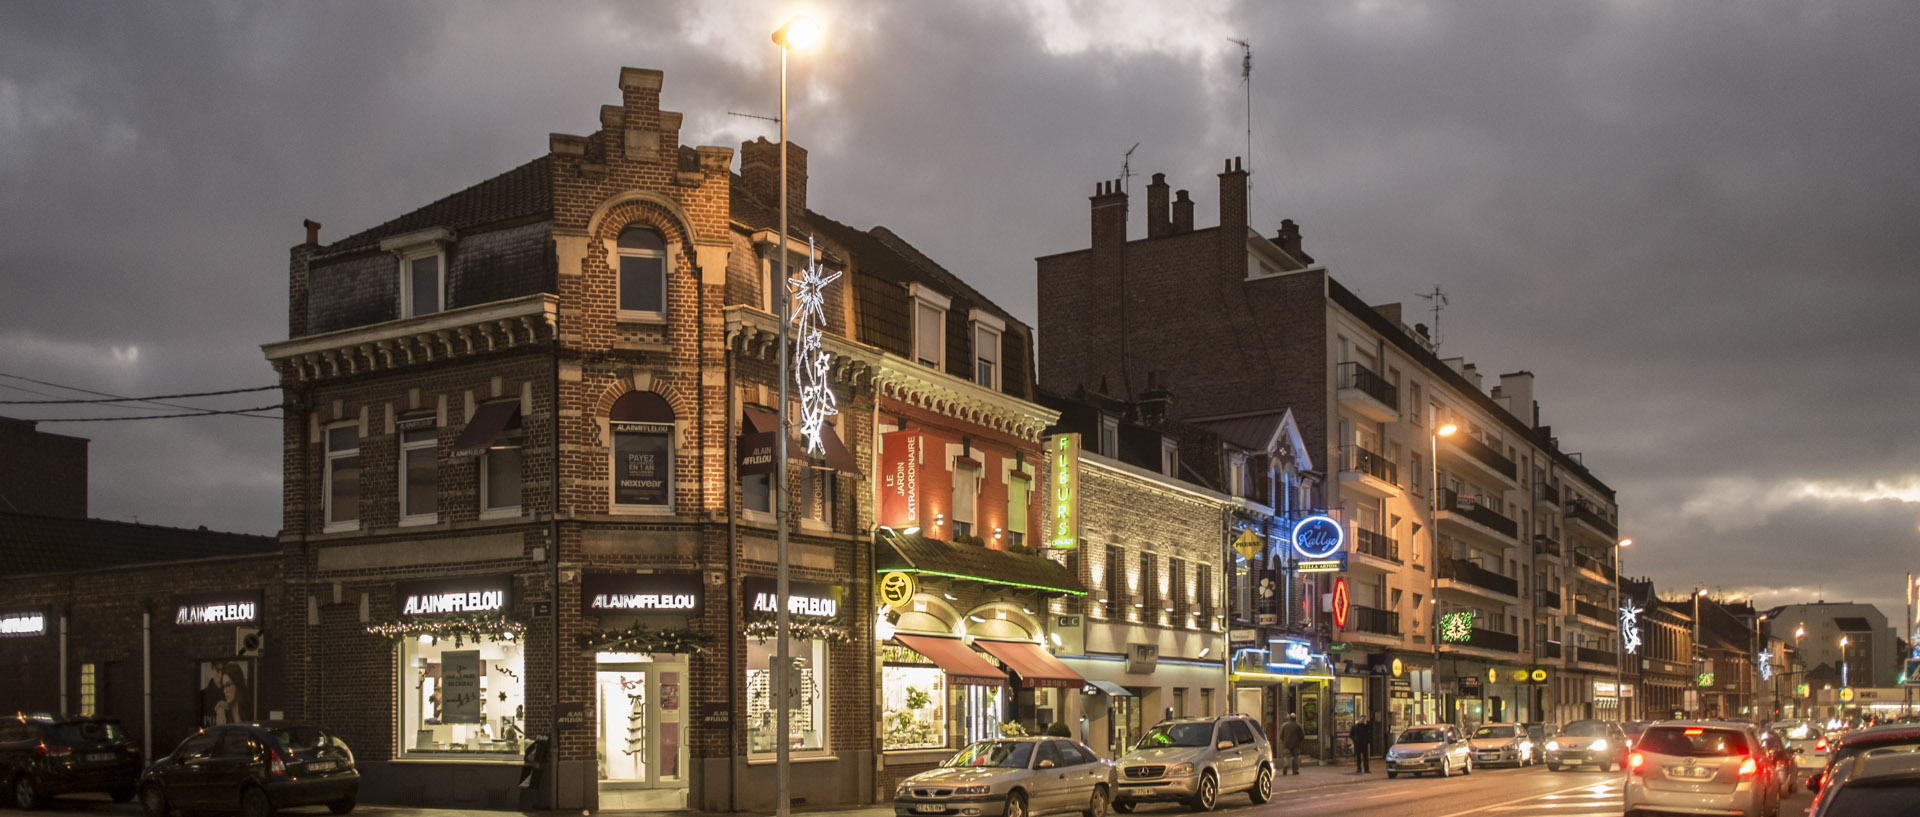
[(1800, 731), (1693, 741), (1421, 736), (1887, 797), (1494, 732), (73, 734), (1585, 729), (1006, 754), (1176, 734)]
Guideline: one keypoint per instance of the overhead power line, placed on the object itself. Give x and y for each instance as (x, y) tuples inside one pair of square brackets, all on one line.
[(110, 399), (209, 413), (129, 399)]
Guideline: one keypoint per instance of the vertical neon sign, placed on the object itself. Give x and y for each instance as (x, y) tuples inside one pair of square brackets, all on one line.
[(1063, 451), (1342, 602)]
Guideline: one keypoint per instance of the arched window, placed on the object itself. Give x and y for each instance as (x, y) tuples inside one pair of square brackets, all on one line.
[(642, 427), (642, 268)]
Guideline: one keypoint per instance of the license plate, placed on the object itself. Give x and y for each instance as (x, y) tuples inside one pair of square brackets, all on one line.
[(321, 766), (100, 757), (930, 808), (1690, 772)]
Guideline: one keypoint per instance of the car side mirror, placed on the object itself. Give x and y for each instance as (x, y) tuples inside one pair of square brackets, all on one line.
[(1813, 783), (1046, 764), (1225, 744)]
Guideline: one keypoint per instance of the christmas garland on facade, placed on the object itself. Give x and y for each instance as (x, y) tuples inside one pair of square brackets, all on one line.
[(458, 627), (763, 629), (641, 638)]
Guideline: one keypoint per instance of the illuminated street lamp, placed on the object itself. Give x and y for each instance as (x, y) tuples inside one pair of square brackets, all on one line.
[(799, 32), (1699, 698), (1843, 662), (1433, 554)]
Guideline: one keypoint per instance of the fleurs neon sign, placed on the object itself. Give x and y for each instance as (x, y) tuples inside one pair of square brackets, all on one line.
[(810, 362), (1064, 504)]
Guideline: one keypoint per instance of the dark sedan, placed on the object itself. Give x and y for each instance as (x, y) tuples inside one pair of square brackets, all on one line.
[(43, 756), (253, 769)]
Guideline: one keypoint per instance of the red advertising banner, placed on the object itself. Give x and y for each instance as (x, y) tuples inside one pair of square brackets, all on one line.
[(901, 456)]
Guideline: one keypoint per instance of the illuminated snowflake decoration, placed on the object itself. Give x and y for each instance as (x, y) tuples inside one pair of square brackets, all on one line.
[(1630, 628), (810, 361), (1457, 628), (1766, 664)]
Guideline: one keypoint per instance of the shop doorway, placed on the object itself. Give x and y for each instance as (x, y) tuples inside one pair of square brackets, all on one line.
[(641, 731)]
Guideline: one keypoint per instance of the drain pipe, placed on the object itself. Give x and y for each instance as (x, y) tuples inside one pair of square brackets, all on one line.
[(146, 684), (63, 661)]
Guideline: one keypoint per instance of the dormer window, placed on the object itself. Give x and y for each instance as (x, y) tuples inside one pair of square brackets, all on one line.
[(987, 331), (1110, 436), (929, 326), (423, 269), (1237, 475), (1169, 457), (642, 264)]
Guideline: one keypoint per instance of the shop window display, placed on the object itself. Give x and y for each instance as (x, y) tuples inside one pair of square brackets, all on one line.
[(467, 698), (913, 701), (807, 706)]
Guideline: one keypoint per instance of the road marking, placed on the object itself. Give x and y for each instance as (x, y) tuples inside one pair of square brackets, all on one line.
[(1594, 788)]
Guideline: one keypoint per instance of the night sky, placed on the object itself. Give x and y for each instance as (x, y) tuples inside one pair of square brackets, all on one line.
[(1690, 220)]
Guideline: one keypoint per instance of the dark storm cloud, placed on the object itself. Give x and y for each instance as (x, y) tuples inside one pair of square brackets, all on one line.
[(1687, 219)]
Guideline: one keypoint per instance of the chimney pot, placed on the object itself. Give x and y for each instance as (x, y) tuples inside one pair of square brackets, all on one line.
[(1182, 213), (313, 232)]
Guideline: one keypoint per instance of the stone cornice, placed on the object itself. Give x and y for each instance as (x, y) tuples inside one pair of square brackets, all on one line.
[(455, 333), (756, 334)]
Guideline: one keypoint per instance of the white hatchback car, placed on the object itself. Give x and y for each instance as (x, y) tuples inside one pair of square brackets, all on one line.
[(1701, 767), (1440, 748)]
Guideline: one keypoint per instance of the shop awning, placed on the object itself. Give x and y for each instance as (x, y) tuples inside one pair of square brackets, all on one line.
[(756, 420), (489, 419), (1036, 667), (1109, 687), (962, 665)]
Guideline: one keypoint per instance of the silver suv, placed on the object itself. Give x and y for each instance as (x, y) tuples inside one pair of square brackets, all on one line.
[(1194, 761)]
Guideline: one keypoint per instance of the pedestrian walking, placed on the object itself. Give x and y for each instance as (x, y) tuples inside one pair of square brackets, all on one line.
[(1362, 737), (1291, 736)]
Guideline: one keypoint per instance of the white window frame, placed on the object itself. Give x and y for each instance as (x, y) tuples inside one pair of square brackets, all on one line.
[(615, 252), (614, 429), (407, 258), (987, 325), (432, 446), (328, 525), (1170, 457), (925, 300), (1237, 475), (1019, 503), (971, 474), (1109, 436), (488, 510)]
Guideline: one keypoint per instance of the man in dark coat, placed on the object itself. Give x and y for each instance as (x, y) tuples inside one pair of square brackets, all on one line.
[(1362, 737), (1291, 736)]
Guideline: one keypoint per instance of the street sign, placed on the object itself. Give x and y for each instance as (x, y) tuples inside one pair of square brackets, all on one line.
[(1248, 545), (1338, 647), (1913, 672)]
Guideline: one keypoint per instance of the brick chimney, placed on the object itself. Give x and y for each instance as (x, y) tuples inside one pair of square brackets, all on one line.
[(313, 232), (1158, 224), (1233, 220), (1182, 213), (1156, 400), (1289, 240), (760, 173)]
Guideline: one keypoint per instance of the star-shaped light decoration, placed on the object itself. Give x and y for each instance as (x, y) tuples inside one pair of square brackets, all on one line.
[(1630, 627), (810, 361), (1766, 664)]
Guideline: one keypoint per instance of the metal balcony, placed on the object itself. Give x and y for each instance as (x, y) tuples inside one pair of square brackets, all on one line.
[(1481, 456), (1585, 560), (1595, 655), (1545, 545), (1548, 649), (1368, 471), (1458, 509), (1367, 394), (1545, 494), (1486, 639), (1380, 622), (1376, 544), (1546, 599), (1592, 611), (1465, 572), (1586, 514)]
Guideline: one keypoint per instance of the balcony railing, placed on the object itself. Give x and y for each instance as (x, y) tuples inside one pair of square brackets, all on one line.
[(1545, 545), (1547, 599), (1585, 559), (1589, 609), (1484, 453), (1546, 493), (1352, 375), (1493, 640), (1548, 649), (1370, 620), (1485, 516), (1465, 571), (1355, 458), (1376, 544), (1595, 655), (1586, 512)]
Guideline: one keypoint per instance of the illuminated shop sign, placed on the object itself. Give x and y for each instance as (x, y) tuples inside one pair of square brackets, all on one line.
[(1289, 653), (811, 601), (1064, 500), (1318, 537), (469, 594), (617, 593), (21, 623), (1342, 602), (901, 453), (1457, 628), (224, 608), (1337, 564)]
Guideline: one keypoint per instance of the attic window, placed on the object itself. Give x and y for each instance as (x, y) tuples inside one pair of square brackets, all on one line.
[(642, 266), (422, 258), (929, 326), (1169, 457), (1110, 436)]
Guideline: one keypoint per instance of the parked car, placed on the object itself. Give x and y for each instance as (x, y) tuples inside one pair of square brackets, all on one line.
[(1701, 767), (254, 769), (1195, 761), (1011, 777), (1872, 785), (1589, 743), (1440, 748), (44, 756), (1808, 740), (1889, 739), (1786, 765), (1496, 744)]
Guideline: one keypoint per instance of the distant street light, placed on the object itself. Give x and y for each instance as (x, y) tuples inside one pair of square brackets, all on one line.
[(1433, 554)]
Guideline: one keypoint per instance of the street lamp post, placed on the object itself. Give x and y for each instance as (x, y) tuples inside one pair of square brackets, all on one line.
[(797, 33), (1844, 683), (1753, 697), (1620, 656), (1433, 554), (1699, 697)]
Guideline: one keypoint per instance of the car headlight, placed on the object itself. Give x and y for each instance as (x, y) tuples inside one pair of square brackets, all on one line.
[(903, 789), (1180, 770), (1599, 745), (964, 790), (1553, 746)]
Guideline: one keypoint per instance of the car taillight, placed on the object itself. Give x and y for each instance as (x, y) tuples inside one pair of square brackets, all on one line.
[(53, 751), (1748, 768), (275, 766), (131, 746), (1820, 745), (1636, 763)]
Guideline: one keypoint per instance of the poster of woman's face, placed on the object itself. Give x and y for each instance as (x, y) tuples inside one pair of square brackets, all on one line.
[(226, 696)]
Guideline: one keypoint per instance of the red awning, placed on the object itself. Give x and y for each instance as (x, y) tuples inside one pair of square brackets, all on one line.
[(641, 407), (838, 457), (1037, 668), (962, 665), (757, 420), (488, 420)]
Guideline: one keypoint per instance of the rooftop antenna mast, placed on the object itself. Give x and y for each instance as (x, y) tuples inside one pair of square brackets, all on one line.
[(1246, 81), (1439, 301), (1126, 173)]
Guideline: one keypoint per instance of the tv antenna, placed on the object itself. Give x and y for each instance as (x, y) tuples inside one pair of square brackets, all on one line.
[(1246, 81), (754, 116), (1438, 299), (1126, 168)]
